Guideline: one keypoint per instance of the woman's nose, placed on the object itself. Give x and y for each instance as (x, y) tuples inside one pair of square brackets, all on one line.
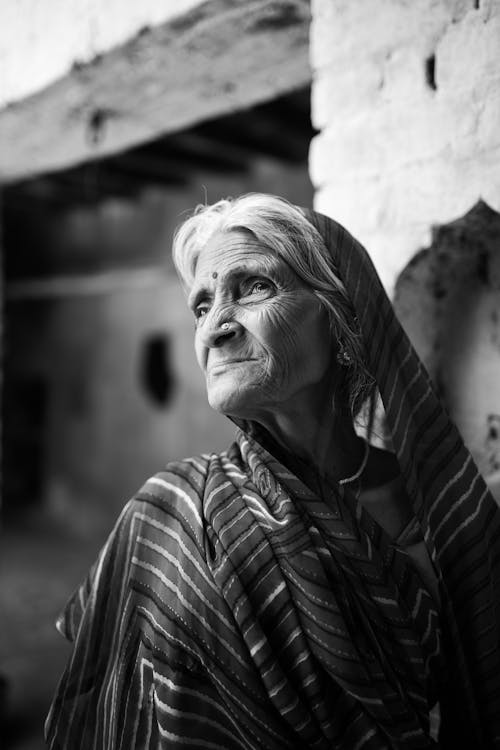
[(217, 332)]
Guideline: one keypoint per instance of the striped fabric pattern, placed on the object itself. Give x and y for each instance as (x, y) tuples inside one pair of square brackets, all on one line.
[(231, 608), (459, 518)]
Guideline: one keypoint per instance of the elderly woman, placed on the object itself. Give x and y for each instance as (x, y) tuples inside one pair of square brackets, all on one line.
[(303, 589)]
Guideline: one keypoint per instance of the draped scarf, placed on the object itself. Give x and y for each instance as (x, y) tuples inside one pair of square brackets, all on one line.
[(357, 609), (459, 518), (232, 607)]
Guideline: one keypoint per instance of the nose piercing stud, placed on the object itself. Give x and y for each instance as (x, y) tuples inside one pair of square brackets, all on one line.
[(225, 326)]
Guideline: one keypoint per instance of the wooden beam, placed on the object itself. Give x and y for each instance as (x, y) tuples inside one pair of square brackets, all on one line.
[(223, 56)]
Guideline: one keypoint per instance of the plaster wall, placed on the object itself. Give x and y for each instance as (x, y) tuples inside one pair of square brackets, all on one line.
[(407, 99), (448, 299)]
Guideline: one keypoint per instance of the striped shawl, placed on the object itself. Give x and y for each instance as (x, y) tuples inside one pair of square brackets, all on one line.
[(232, 608)]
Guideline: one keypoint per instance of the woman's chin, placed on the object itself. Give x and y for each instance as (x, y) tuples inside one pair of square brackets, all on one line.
[(229, 400)]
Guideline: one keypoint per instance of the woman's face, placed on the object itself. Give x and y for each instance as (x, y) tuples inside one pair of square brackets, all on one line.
[(277, 349)]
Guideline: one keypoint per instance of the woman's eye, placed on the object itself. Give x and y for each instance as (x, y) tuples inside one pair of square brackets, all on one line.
[(259, 287), (255, 288), (200, 311)]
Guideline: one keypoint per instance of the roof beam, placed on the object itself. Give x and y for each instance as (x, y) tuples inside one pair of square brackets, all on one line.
[(218, 58)]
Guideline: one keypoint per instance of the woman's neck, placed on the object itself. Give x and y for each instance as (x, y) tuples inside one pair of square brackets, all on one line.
[(324, 439)]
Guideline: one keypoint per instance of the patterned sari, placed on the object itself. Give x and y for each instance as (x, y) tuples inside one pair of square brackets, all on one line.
[(231, 607)]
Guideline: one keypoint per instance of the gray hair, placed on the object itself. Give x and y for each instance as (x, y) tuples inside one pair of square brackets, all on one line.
[(283, 228)]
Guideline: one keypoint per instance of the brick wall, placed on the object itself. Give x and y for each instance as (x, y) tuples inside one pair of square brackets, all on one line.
[(407, 100)]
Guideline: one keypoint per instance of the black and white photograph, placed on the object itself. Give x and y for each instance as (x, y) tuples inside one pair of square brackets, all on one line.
[(250, 375)]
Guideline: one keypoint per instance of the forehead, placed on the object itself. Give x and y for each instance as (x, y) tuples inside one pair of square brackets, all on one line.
[(230, 251)]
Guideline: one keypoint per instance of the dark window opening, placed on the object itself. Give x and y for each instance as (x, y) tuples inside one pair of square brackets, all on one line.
[(156, 373)]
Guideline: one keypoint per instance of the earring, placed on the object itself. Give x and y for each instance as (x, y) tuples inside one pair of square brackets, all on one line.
[(343, 357)]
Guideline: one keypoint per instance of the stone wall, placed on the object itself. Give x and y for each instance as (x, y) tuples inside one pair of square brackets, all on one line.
[(407, 99)]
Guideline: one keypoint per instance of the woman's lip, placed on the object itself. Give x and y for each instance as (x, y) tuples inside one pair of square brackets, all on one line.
[(231, 361)]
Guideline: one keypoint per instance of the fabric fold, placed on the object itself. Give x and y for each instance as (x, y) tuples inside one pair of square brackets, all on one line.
[(232, 607)]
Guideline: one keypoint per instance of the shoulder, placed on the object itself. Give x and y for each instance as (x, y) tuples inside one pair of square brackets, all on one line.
[(174, 497), (177, 481), (169, 510), (163, 519)]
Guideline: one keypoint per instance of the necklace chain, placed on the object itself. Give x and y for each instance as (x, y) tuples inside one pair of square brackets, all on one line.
[(361, 469)]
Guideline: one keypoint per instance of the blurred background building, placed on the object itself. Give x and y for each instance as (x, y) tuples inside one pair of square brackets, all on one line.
[(116, 119)]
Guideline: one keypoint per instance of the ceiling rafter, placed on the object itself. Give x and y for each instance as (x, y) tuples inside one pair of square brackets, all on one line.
[(279, 130)]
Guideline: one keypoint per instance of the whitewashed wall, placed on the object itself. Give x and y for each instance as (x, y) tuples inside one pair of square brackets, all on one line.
[(407, 100)]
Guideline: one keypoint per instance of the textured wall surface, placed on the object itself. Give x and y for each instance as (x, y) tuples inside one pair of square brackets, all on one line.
[(213, 59), (448, 299), (407, 99)]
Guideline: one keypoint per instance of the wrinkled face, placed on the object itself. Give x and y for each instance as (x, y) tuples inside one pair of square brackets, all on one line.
[(275, 348)]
